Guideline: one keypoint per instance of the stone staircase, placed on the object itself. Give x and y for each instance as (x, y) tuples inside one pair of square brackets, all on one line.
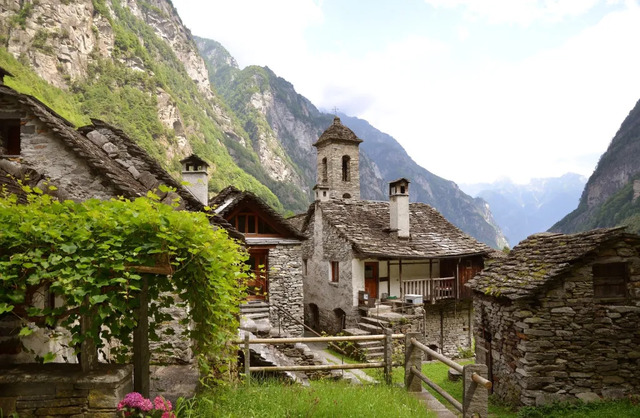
[(254, 317), (374, 323), (255, 310)]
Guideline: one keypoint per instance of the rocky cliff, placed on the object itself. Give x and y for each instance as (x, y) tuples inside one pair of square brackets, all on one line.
[(610, 197), (133, 64)]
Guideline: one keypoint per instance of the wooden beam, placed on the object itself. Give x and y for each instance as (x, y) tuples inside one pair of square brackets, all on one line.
[(141, 353)]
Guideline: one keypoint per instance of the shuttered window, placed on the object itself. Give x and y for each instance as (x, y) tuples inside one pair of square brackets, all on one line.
[(610, 281)]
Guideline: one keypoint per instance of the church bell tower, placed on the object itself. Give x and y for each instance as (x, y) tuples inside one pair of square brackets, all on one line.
[(338, 173)]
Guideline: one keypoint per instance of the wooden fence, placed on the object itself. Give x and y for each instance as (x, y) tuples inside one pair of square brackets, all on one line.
[(475, 394), (475, 384), (386, 362)]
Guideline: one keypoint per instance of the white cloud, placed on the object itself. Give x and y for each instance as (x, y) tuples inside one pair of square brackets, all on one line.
[(521, 12), (466, 121)]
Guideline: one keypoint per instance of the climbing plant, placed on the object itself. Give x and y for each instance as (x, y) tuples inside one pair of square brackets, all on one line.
[(90, 254)]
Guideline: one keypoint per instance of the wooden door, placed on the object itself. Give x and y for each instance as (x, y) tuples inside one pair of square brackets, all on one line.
[(258, 286), (371, 279)]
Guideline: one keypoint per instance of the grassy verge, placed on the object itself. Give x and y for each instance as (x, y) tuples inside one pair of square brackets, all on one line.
[(438, 372), (322, 399)]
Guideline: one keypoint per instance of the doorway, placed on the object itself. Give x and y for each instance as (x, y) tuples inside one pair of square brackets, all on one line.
[(257, 286), (371, 279)]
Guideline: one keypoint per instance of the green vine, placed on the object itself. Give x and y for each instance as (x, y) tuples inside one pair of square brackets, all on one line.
[(90, 255)]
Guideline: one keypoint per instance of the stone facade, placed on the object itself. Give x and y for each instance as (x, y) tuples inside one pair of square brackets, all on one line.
[(338, 163), (564, 341), (448, 325), (63, 390), (325, 300), (286, 288)]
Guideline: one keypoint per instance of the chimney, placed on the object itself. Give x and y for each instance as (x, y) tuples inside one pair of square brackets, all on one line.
[(399, 207), (194, 172)]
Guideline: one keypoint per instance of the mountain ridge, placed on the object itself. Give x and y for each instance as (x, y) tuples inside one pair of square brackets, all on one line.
[(133, 64), (609, 198)]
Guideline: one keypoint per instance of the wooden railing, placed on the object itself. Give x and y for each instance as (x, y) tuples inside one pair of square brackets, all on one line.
[(475, 392), (386, 363), (431, 289)]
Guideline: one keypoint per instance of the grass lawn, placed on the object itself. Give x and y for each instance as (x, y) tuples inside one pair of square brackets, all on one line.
[(438, 373), (322, 399)]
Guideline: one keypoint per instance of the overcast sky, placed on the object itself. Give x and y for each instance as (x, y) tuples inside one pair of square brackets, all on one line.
[(474, 90)]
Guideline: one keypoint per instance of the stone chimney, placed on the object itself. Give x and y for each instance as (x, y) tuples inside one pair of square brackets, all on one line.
[(194, 172), (399, 208)]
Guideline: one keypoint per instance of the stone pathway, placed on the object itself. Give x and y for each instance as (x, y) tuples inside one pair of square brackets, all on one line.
[(432, 404)]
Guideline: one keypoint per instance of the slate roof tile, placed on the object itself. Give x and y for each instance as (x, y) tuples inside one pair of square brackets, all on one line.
[(539, 259), (366, 225)]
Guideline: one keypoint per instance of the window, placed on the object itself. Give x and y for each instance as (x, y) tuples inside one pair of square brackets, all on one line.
[(335, 271), (10, 137), (324, 170), (346, 169), (610, 281), (251, 223), (304, 266)]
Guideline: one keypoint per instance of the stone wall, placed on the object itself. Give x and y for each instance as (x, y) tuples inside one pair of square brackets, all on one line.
[(63, 390), (43, 151), (286, 288), (448, 325), (325, 246), (563, 344)]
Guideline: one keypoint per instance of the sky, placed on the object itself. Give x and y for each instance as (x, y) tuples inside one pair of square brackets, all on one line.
[(474, 90)]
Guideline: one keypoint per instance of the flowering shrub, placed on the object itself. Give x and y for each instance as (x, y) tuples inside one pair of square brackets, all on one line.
[(135, 405)]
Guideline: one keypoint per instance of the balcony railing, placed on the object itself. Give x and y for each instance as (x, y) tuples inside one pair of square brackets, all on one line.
[(431, 289)]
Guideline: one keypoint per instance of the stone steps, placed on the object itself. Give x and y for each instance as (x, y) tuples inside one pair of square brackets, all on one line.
[(376, 322), (371, 329)]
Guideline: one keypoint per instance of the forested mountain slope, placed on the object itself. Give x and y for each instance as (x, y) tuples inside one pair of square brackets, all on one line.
[(610, 198), (133, 64), (271, 108)]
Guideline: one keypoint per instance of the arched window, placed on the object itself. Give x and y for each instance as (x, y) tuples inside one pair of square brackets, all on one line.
[(324, 170), (346, 169)]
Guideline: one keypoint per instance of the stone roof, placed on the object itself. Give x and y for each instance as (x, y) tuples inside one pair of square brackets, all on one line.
[(365, 224), (113, 156), (337, 132), (225, 202), (539, 259)]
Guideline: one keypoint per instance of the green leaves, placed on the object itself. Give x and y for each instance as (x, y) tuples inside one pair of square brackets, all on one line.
[(87, 254)]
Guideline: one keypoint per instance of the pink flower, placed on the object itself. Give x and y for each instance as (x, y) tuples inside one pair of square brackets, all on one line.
[(136, 401), (162, 404), (168, 415)]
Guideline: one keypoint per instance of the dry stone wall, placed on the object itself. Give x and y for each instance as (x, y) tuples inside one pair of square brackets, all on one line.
[(448, 326), (286, 288), (62, 390), (563, 344), (325, 246)]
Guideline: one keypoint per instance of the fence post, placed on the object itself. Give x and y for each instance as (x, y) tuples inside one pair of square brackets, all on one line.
[(388, 356), (412, 357), (475, 397), (247, 359)]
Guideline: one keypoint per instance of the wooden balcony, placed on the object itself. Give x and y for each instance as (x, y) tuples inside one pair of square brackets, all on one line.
[(431, 289)]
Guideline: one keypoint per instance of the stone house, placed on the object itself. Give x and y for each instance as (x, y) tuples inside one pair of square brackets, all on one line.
[(96, 161), (559, 318), (274, 247), (394, 251)]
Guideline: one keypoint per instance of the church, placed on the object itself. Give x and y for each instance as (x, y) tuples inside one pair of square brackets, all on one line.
[(364, 254)]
